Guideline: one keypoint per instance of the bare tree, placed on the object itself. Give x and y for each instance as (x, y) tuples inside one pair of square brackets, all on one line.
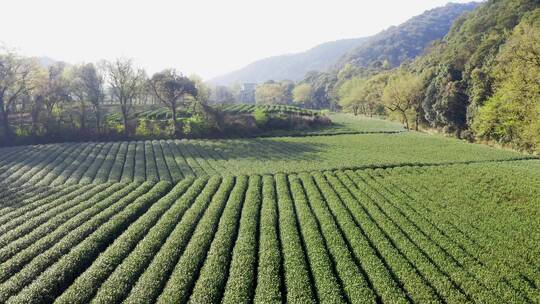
[(14, 79), (126, 81), (171, 88), (88, 84), (56, 92)]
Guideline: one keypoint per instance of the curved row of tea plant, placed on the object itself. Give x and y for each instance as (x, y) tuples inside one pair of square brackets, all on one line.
[(173, 160), (283, 109)]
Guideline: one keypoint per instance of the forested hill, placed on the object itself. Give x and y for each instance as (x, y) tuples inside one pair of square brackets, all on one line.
[(407, 40), (292, 66), (484, 76)]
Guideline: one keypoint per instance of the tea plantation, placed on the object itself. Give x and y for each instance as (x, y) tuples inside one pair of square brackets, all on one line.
[(383, 217)]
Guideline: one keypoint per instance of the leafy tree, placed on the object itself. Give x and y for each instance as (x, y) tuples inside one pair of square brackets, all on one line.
[(402, 95), (171, 88), (273, 92), (323, 86), (353, 95), (126, 82), (203, 91), (222, 94), (302, 94), (512, 114), (460, 68), (56, 93)]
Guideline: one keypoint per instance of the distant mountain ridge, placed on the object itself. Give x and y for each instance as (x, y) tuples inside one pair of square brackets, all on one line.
[(409, 39), (396, 44), (291, 66)]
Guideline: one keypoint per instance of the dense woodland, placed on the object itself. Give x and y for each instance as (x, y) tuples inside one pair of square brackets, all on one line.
[(481, 81)]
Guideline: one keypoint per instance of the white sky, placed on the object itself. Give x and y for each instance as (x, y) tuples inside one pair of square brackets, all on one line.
[(205, 37)]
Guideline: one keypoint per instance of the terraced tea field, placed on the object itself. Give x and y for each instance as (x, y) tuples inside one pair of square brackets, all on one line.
[(61, 164), (371, 218)]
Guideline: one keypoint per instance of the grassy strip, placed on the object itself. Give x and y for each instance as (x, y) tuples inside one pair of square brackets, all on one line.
[(18, 173), (17, 262), (269, 287), (45, 166), (186, 270), (240, 285), (151, 282), (326, 281), (58, 169), (295, 267), (191, 161), (464, 237), (86, 285), (24, 164), (49, 284), (213, 276)]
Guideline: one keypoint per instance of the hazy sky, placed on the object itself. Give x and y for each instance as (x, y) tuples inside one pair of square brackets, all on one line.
[(205, 37)]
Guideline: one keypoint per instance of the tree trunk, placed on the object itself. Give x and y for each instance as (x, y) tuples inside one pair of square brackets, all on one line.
[(174, 121), (83, 117), (98, 119), (416, 122), (125, 120), (406, 120), (5, 123)]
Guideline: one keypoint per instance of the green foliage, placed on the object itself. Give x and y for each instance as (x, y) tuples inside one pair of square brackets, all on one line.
[(512, 114), (261, 118), (274, 93), (404, 42), (302, 94), (402, 95), (461, 70)]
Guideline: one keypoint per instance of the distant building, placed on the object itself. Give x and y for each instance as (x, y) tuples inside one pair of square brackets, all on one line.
[(247, 93)]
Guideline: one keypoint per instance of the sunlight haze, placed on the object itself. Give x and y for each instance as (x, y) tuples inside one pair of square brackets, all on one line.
[(208, 38)]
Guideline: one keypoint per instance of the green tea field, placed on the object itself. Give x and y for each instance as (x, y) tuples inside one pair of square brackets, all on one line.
[(375, 217)]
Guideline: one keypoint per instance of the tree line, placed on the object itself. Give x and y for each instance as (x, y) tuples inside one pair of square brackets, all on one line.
[(481, 82), (39, 101)]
